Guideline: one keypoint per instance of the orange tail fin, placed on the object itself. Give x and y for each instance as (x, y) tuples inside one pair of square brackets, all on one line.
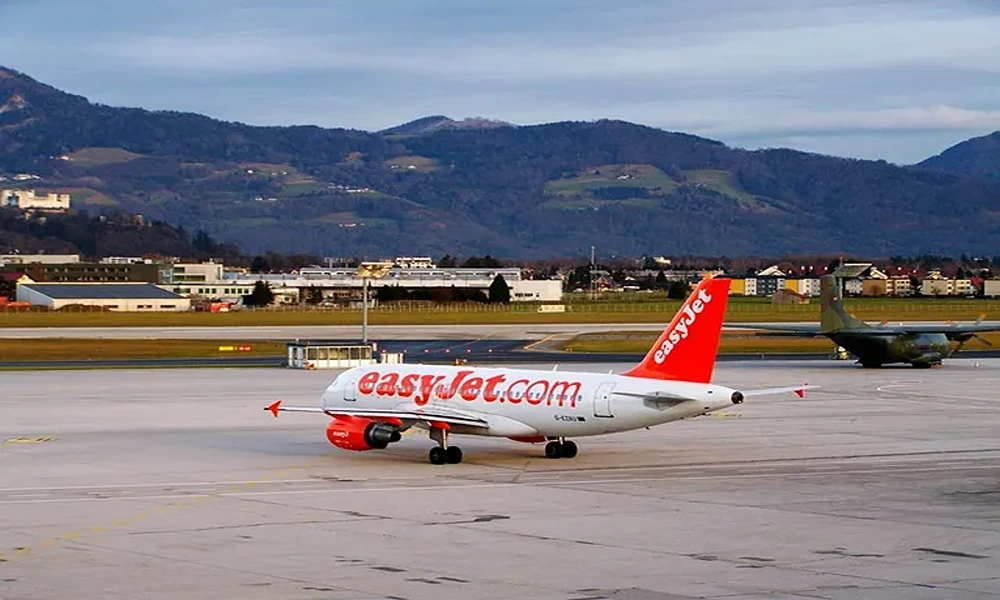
[(687, 348)]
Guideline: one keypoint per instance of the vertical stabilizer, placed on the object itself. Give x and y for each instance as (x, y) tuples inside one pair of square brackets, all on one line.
[(687, 348), (833, 317)]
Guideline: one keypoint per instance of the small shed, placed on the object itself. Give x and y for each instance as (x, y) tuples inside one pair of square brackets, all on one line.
[(787, 296), (320, 354)]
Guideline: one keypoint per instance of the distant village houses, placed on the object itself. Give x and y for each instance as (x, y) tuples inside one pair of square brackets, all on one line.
[(30, 200)]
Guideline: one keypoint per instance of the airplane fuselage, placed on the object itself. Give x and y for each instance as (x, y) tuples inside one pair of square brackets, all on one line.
[(522, 403), (372, 406), (875, 349)]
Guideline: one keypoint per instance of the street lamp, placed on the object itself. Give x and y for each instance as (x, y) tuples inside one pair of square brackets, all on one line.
[(367, 271)]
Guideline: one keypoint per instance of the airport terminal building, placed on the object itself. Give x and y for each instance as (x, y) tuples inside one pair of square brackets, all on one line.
[(341, 283)]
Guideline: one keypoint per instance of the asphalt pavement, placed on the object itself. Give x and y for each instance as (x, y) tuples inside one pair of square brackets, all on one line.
[(881, 484)]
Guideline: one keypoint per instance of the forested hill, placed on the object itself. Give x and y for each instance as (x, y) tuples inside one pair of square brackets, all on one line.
[(99, 236), (978, 157), (475, 186)]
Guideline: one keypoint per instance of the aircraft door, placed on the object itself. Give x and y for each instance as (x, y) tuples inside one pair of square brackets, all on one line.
[(602, 400), (350, 389)]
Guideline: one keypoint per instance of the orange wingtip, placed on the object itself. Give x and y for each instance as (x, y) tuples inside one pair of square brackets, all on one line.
[(273, 408)]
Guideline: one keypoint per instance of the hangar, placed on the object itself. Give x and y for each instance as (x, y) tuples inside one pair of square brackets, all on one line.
[(140, 297)]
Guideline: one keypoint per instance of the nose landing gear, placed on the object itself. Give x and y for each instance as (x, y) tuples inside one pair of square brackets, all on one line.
[(560, 448)]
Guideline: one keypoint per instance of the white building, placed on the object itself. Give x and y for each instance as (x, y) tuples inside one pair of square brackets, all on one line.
[(138, 297), (210, 280), (991, 287), (225, 291), (208, 272), (963, 287), (414, 262), (853, 287), (29, 200), (45, 259), (536, 290), (127, 260), (807, 286)]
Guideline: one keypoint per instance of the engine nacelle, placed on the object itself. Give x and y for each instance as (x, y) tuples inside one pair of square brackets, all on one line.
[(352, 433)]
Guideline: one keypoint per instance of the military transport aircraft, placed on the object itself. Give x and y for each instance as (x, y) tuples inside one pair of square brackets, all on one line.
[(920, 345), (372, 406)]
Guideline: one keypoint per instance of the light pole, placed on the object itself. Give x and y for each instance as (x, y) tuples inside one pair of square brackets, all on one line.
[(366, 271)]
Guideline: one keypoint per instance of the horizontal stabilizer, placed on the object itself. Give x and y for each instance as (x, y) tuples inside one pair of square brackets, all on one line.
[(798, 390), (276, 407), (437, 415)]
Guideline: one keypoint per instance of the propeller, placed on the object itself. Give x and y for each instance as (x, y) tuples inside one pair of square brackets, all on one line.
[(965, 337)]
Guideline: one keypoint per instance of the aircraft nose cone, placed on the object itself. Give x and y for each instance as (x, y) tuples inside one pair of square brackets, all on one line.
[(737, 398)]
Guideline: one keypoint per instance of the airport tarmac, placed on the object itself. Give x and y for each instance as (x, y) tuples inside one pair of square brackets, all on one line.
[(884, 484)]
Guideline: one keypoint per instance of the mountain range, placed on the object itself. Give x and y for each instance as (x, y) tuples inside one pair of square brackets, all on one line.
[(478, 186)]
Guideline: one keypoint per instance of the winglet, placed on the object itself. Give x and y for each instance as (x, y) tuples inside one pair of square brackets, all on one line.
[(274, 407), (801, 392)]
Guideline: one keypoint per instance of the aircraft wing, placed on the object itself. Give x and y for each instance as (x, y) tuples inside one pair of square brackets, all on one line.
[(416, 413), (954, 331), (945, 328), (803, 329)]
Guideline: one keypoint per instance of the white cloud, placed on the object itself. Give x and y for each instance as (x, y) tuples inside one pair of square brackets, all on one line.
[(756, 69), (769, 51), (931, 118)]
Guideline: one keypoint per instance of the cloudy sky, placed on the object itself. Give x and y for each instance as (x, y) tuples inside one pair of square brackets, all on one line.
[(892, 79)]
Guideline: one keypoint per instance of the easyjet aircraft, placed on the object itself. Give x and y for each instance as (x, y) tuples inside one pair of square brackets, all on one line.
[(371, 406)]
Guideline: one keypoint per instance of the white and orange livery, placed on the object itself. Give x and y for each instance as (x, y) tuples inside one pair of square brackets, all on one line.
[(372, 406)]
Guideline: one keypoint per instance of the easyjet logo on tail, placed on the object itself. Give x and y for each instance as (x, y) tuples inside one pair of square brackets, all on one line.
[(686, 349), (681, 329)]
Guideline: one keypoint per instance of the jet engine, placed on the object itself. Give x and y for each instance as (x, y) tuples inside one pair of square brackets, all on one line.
[(352, 433)]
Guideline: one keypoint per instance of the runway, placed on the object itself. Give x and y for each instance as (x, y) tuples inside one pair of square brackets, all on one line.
[(884, 484), (378, 332)]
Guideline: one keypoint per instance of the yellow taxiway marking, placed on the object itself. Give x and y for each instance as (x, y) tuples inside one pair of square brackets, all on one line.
[(726, 415), (38, 439)]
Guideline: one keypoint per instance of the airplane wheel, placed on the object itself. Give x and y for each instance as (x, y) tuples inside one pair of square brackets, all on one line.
[(553, 450), (438, 456), (569, 450), (454, 455)]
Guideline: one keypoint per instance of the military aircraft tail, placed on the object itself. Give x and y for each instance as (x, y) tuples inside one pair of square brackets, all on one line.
[(832, 314)]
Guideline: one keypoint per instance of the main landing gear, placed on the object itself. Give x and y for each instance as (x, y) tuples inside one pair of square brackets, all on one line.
[(560, 448), (443, 453)]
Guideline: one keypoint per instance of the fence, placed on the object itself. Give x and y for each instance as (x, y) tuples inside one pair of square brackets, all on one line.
[(735, 306)]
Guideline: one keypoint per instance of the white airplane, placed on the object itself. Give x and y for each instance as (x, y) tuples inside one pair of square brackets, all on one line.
[(373, 405)]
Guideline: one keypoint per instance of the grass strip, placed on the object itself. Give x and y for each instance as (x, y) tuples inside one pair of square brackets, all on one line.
[(740, 310), (640, 342), (98, 349)]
